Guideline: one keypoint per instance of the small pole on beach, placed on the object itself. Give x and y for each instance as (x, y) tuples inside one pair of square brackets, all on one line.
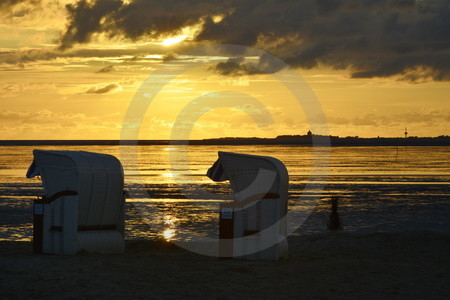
[(226, 229), (335, 222)]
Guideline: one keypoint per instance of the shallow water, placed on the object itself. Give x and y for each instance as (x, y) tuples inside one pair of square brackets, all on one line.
[(379, 188)]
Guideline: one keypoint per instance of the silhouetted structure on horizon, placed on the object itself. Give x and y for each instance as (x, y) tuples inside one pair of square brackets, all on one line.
[(311, 139)]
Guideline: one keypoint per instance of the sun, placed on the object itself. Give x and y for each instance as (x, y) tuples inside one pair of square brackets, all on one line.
[(174, 40)]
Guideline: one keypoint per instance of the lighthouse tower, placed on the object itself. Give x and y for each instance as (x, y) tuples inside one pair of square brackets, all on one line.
[(406, 132)]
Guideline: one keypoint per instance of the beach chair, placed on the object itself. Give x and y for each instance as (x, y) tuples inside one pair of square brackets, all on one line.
[(254, 225), (83, 204)]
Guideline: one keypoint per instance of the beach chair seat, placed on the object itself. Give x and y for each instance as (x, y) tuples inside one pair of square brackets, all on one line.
[(253, 226), (83, 205)]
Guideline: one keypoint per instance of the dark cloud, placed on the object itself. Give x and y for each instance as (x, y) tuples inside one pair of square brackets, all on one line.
[(85, 19), (131, 20), (5, 4), (22, 57), (8, 3), (233, 66), (238, 66), (169, 57), (371, 38), (106, 69), (17, 8), (103, 90)]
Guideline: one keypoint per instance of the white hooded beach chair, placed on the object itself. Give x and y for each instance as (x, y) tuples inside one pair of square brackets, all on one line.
[(83, 203), (253, 226)]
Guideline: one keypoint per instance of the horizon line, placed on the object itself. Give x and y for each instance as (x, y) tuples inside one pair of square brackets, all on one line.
[(231, 138)]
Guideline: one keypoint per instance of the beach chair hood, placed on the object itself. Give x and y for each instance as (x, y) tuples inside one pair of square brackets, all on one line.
[(250, 174)]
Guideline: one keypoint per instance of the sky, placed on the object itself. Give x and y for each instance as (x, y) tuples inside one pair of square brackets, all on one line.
[(118, 69)]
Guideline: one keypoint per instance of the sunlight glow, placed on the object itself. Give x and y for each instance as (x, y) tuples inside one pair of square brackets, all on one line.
[(218, 18), (170, 232), (174, 40), (169, 175)]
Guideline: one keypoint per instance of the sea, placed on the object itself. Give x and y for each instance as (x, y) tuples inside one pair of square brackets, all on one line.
[(169, 196)]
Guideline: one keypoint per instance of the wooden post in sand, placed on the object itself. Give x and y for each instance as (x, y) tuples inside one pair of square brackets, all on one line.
[(335, 222), (226, 228)]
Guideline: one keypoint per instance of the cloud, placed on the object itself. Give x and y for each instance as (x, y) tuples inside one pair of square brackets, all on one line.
[(47, 124), (169, 57), (238, 66), (424, 117), (233, 66), (42, 116), (22, 57), (132, 19), (86, 18), (17, 8), (105, 89), (369, 38), (106, 69), (14, 89), (8, 3), (29, 55)]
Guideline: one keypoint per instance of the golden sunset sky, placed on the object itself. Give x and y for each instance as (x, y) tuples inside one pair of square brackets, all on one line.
[(205, 69)]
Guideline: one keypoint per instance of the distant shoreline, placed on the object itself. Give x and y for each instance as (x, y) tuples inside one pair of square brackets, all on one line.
[(299, 140)]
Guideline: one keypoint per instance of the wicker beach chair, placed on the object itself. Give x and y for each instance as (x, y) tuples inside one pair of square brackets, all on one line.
[(254, 225), (83, 203)]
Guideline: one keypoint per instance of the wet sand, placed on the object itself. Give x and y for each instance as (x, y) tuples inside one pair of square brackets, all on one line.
[(334, 265)]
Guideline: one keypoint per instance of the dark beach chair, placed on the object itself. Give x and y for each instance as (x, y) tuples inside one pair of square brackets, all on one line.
[(83, 204), (254, 225)]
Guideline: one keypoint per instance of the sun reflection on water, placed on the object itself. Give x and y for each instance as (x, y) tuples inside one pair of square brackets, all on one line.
[(170, 175), (169, 234), (170, 231)]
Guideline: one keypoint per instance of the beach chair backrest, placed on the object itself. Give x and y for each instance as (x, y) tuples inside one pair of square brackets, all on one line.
[(97, 179)]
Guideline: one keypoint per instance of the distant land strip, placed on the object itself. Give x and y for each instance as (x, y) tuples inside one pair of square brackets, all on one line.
[(300, 140)]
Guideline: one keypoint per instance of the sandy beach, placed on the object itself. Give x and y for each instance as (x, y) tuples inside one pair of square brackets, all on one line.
[(334, 265)]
